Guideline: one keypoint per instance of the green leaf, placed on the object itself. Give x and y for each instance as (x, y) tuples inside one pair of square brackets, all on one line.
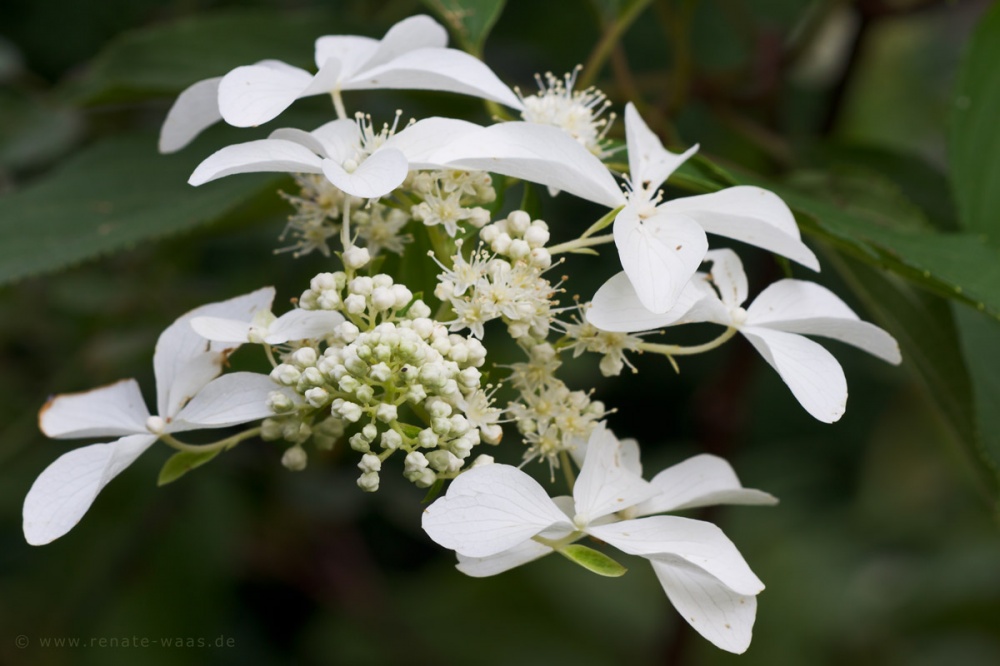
[(929, 340), (32, 132), (917, 180), (183, 462), (980, 338), (975, 141), (961, 266), (106, 198), (166, 58), (469, 20), (592, 560)]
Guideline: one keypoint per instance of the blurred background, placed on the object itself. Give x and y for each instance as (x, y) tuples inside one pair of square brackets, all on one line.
[(884, 548)]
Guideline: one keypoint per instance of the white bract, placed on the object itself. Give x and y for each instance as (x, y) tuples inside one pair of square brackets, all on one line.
[(350, 153), (412, 55), (190, 395), (774, 324), (660, 244), (264, 327), (496, 517)]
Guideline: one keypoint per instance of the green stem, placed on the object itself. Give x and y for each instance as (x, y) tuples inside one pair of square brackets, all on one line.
[(678, 350), (338, 104), (570, 246), (612, 34), (443, 244), (222, 444), (270, 355), (558, 544), (564, 462)]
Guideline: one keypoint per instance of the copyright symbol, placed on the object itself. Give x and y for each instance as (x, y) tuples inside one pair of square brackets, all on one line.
[(22, 641)]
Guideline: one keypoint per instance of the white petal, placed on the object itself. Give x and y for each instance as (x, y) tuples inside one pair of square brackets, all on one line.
[(722, 616), (218, 329), (616, 307), (410, 34), (605, 484), (303, 325), (810, 371), (254, 156), (649, 163), (181, 354), (669, 538), (234, 398), (490, 509), (109, 411), (65, 490), (194, 110), (254, 94), (537, 153), (421, 140), (350, 51), (808, 308), (480, 567), (381, 173), (728, 276), (447, 70), (337, 139), (660, 254), (325, 81), (751, 215), (703, 480)]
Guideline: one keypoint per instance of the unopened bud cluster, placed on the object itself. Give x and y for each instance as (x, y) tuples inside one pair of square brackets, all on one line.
[(383, 366)]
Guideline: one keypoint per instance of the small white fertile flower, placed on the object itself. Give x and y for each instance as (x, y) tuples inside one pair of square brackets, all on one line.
[(353, 156), (412, 55), (496, 518), (577, 112), (775, 324), (660, 244), (190, 396)]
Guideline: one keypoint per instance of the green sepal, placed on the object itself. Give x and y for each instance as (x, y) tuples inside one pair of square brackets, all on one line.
[(592, 560), (602, 223), (409, 430), (183, 462)]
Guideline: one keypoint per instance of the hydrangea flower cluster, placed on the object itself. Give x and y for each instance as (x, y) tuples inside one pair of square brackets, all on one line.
[(364, 363)]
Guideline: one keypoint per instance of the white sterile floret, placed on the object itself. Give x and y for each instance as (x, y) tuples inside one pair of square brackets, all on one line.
[(775, 324), (496, 517), (412, 55), (190, 396), (660, 244)]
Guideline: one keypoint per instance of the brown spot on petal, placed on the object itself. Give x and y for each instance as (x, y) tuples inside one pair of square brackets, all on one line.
[(678, 248)]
